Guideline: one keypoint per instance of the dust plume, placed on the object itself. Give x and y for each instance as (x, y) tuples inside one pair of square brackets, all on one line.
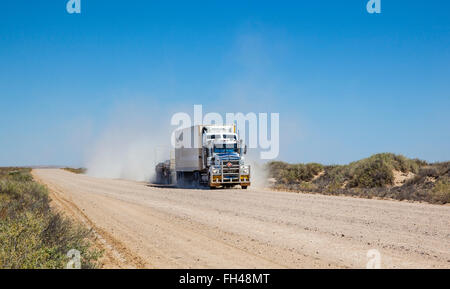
[(259, 172), (129, 148)]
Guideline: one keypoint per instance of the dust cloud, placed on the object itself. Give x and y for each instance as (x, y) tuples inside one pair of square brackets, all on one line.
[(129, 148), (259, 172), (123, 158)]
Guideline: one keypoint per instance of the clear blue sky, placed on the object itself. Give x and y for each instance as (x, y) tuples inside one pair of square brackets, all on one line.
[(346, 83)]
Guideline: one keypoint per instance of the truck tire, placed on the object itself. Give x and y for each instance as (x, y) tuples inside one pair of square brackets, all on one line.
[(196, 179), (180, 179), (244, 187)]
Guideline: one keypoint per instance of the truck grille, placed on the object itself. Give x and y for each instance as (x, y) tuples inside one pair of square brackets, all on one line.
[(230, 170)]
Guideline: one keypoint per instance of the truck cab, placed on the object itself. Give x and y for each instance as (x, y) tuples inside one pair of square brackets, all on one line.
[(225, 160)]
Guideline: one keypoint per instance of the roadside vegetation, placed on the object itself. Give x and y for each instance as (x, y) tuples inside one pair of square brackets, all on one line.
[(383, 175), (76, 170), (32, 235)]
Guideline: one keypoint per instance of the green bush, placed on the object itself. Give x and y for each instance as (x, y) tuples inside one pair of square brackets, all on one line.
[(372, 174), (369, 177), (441, 191), (377, 170), (76, 170), (31, 234), (294, 173)]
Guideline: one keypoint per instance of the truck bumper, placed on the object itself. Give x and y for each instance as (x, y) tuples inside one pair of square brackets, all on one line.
[(218, 181)]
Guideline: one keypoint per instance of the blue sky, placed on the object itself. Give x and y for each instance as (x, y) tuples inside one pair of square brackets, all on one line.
[(346, 83)]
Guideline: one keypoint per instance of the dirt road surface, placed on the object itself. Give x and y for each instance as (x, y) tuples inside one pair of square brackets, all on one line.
[(140, 226)]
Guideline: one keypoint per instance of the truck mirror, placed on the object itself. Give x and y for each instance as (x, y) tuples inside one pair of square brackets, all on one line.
[(245, 150)]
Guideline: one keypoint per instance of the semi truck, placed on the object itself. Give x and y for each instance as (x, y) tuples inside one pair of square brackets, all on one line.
[(208, 155)]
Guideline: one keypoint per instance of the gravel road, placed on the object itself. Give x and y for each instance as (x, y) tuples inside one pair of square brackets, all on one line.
[(141, 226)]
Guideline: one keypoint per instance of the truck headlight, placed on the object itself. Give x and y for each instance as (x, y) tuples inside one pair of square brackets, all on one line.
[(245, 170), (215, 171)]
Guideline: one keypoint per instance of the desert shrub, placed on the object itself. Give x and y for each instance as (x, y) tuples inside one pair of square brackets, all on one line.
[(376, 171), (333, 187), (31, 234), (443, 168), (369, 177), (306, 186), (429, 171), (20, 175), (372, 174), (334, 177), (293, 173), (42, 241), (441, 191), (76, 170), (397, 162), (16, 174)]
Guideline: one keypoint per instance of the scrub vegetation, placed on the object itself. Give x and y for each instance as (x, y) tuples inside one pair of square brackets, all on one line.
[(32, 235), (384, 175), (76, 170)]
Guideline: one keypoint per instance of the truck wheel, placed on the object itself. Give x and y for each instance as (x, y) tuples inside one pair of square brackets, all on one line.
[(244, 187), (180, 179), (196, 181)]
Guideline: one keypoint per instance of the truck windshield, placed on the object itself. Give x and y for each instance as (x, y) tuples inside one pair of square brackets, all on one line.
[(229, 136), (225, 149)]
